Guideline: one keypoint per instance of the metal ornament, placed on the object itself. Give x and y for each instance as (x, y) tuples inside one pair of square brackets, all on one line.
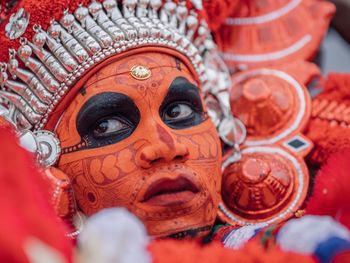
[(43, 69), (6, 114), (140, 72), (271, 103), (232, 131), (49, 147), (3, 111), (57, 57), (268, 185), (18, 24), (43, 144), (198, 4)]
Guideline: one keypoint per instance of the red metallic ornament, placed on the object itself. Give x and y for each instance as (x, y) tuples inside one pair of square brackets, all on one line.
[(271, 104), (269, 183)]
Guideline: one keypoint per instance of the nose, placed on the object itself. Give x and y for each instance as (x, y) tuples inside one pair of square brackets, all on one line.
[(162, 148)]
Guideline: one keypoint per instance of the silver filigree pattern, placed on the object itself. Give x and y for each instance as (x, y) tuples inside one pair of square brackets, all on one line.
[(18, 24), (56, 58)]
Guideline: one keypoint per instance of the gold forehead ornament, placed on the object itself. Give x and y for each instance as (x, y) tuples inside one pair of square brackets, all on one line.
[(140, 72)]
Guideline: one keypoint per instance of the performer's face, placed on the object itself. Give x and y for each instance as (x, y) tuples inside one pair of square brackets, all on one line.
[(147, 145)]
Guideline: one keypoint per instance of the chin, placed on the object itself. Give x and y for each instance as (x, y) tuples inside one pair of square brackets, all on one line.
[(177, 206), (193, 219)]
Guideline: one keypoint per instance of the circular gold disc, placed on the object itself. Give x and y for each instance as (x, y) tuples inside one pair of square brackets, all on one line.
[(140, 72)]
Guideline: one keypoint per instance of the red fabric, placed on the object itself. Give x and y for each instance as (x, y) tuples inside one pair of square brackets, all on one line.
[(274, 42), (342, 257), (330, 119), (337, 87), (331, 191), (218, 11), (25, 209)]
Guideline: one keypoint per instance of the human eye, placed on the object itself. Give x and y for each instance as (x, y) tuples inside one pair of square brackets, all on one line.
[(182, 106), (181, 115), (178, 111), (110, 126), (107, 118)]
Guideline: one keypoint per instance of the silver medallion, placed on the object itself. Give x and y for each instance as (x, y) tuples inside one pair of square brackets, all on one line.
[(49, 147)]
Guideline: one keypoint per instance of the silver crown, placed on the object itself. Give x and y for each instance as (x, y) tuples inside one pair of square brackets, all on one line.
[(56, 58)]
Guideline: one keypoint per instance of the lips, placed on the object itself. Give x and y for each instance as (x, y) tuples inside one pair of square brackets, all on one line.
[(170, 191)]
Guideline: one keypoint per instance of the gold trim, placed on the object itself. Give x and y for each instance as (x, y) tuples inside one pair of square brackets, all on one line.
[(140, 72)]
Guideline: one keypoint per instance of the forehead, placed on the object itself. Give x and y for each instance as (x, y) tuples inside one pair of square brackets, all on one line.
[(158, 72)]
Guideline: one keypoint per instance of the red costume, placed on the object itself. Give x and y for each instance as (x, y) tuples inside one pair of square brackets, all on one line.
[(130, 104)]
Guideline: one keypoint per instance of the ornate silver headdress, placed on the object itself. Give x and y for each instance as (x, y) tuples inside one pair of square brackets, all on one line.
[(56, 58)]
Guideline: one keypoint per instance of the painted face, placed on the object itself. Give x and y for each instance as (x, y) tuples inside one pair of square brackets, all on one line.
[(139, 137)]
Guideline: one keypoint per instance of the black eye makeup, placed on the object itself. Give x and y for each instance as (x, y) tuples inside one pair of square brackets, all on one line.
[(110, 117), (182, 106), (107, 118)]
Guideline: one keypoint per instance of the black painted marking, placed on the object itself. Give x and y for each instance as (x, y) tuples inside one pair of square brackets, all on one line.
[(178, 63), (83, 91)]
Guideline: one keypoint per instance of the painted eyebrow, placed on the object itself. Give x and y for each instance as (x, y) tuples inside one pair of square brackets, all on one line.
[(182, 89), (103, 105)]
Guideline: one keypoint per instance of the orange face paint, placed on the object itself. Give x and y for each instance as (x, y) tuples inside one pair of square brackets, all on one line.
[(137, 136)]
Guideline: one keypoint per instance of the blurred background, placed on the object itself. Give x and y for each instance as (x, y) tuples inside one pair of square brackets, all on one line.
[(335, 50)]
